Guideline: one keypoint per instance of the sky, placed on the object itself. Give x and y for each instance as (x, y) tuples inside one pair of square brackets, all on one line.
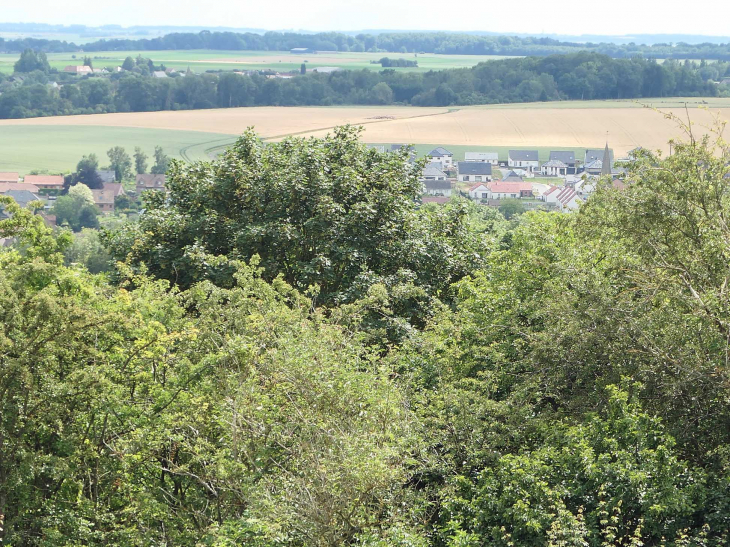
[(575, 17)]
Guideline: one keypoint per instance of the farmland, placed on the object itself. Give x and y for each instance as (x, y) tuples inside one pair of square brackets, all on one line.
[(57, 142), (202, 60)]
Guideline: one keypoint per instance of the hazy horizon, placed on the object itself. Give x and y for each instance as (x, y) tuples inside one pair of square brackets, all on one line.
[(620, 18)]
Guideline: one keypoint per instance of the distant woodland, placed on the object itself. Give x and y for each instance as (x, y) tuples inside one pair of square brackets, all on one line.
[(402, 42), (575, 76)]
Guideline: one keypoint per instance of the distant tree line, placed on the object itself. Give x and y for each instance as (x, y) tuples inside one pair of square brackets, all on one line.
[(577, 76), (387, 62), (402, 42)]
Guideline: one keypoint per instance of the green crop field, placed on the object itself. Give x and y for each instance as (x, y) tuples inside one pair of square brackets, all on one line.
[(202, 60), (58, 148)]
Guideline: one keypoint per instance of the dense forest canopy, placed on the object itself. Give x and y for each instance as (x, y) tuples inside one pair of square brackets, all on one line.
[(402, 42), (291, 351), (581, 76)]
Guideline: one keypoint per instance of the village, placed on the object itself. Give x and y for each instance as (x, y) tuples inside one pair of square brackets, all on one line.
[(47, 188), (561, 183)]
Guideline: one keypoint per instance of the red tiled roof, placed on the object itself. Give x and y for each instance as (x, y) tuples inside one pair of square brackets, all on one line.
[(566, 195), (551, 190), (502, 187), (44, 180), (5, 186), (9, 177)]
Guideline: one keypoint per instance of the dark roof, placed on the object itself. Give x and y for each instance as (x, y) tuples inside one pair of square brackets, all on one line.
[(437, 184), (474, 168), (566, 156), (22, 197), (523, 155), (106, 176), (593, 155), (440, 151), (430, 171)]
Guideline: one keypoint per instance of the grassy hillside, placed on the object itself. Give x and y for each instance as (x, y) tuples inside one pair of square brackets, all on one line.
[(59, 148)]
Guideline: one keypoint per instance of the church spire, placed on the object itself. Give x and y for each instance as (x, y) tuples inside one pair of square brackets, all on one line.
[(606, 163)]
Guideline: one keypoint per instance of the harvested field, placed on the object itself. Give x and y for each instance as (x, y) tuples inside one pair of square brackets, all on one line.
[(544, 126), (270, 122)]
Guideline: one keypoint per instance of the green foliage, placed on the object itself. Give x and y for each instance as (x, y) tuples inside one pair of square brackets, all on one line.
[(511, 208), (140, 161), (609, 481), (120, 163), (324, 212), (86, 249), (292, 352), (161, 162), (87, 171), (577, 75), (77, 209), (31, 60)]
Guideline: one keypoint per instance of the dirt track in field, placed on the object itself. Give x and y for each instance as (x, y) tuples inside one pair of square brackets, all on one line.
[(624, 128)]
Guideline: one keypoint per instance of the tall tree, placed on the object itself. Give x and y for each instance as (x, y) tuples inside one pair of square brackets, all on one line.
[(161, 162), (140, 161), (87, 171), (120, 162), (31, 60), (128, 63)]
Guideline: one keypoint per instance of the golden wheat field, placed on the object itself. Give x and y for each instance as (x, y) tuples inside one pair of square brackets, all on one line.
[(624, 124)]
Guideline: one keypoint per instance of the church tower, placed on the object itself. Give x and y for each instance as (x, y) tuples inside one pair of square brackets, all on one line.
[(606, 163)]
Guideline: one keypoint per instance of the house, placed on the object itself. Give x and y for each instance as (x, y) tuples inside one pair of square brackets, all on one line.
[(104, 197), (159, 74), (484, 157), (301, 50), (479, 191), (564, 198), (474, 171), (725, 81), (17, 186), (106, 175), (326, 69), (566, 156), (150, 182), (595, 154), (22, 197), (80, 70), (594, 167), (432, 173), (554, 168), (526, 159), (438, 187), (9, 177), (512, 176), (442, 155), (508, 190), (50, 184)]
